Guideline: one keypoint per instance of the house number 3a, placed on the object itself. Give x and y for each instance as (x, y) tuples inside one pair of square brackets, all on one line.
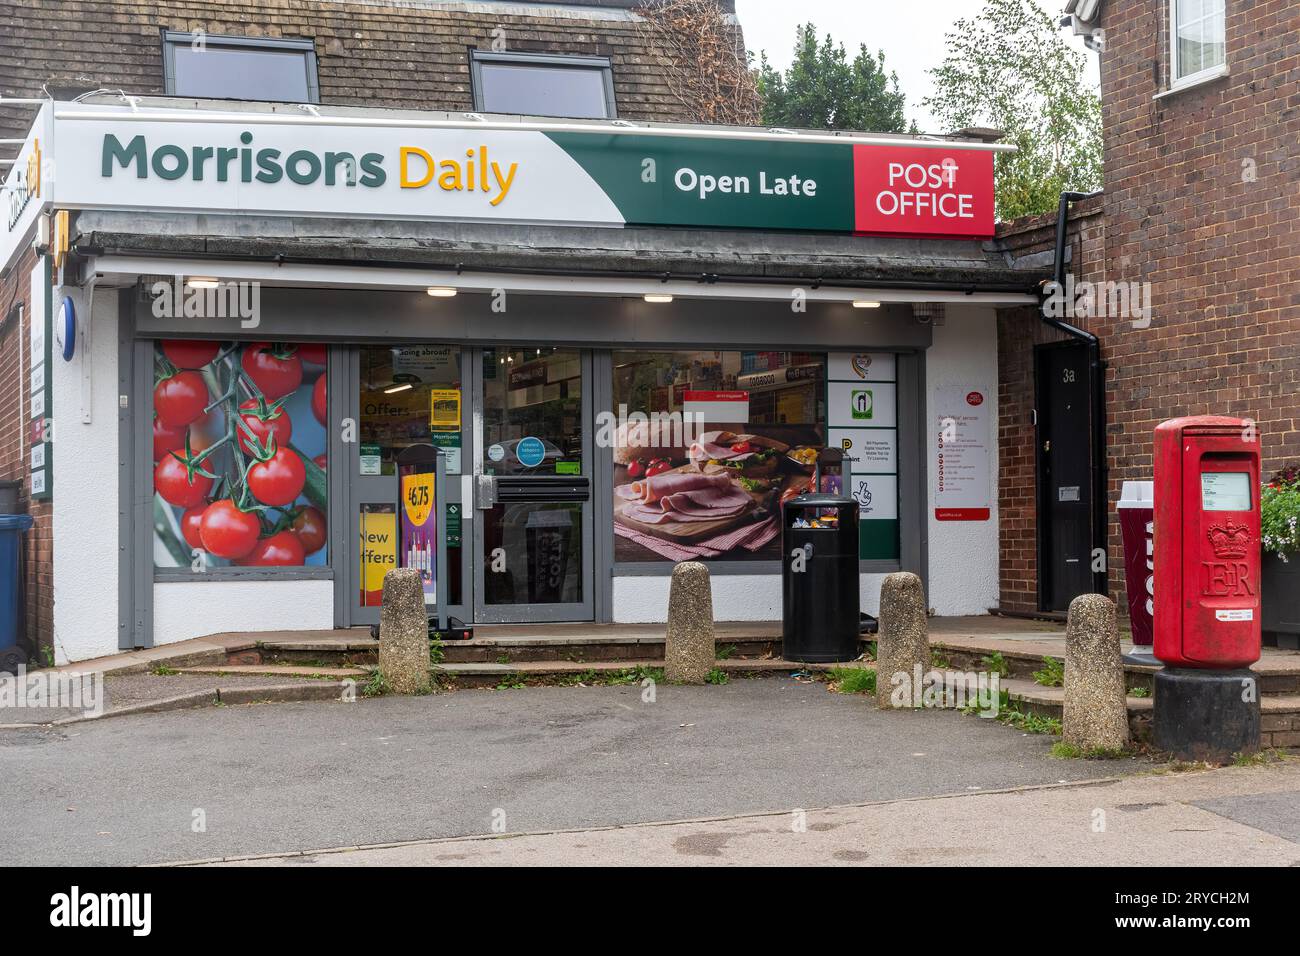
[(1067, 376)]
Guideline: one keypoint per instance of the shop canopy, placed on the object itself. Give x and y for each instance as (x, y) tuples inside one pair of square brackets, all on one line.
[(467, 194)]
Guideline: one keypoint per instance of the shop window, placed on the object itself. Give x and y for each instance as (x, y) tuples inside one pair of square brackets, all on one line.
[(410, 395), (240, 455), (240, 68), (708, 444), (1197, 39), (543, 85)]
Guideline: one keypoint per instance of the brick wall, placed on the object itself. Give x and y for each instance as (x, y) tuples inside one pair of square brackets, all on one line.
[(1202, 200), (15, 366), (402, 56), (1019, 330)]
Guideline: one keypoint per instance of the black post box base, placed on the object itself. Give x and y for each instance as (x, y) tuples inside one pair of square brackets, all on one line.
[(1206, 715)]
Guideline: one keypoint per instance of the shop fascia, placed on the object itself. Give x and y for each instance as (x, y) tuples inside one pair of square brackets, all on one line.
[(409, 166)]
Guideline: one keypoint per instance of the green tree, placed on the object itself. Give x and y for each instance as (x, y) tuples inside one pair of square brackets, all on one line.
[(822, 89), (1010, 68)]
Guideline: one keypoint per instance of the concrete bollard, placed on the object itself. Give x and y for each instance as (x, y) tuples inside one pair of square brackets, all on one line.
[(404, 633), (903, 641), (1095, 714), (689, 653)]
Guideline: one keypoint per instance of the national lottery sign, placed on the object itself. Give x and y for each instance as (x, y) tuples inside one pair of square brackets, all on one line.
[(347, 166)]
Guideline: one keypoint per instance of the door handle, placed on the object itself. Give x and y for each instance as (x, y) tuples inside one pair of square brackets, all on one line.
[(486, 495)]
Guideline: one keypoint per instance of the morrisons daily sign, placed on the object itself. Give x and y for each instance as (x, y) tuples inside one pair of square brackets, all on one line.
[(171, 160)]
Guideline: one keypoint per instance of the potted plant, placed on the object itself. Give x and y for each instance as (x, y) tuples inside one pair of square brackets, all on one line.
[(1280, 538)]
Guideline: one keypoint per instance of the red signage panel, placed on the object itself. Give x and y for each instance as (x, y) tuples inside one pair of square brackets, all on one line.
[(923, 191)]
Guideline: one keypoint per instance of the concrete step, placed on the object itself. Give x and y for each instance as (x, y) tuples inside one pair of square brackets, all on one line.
[(276, 670), (491, 673)]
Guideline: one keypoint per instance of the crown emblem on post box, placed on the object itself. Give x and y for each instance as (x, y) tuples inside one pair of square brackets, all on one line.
[(1230, 541)]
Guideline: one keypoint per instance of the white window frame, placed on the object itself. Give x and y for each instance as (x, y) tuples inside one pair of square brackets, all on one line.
[(1177, 82)]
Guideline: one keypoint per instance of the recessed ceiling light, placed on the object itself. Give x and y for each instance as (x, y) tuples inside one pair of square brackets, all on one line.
[(658, 297), (397, 388), (865, 304), (202, 282), (440, 291)]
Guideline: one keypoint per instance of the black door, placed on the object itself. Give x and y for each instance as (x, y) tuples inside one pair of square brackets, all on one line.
[(1064, 474)]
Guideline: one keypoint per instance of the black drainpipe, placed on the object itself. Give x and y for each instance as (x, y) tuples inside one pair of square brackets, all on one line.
[(1097, 379)]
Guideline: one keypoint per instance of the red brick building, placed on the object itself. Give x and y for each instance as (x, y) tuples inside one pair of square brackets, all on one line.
[(1201, 120)]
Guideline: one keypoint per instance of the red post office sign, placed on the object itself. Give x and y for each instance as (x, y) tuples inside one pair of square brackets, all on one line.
[(903, 190)]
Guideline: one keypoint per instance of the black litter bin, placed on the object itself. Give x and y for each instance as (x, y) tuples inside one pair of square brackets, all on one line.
[(820, 585)]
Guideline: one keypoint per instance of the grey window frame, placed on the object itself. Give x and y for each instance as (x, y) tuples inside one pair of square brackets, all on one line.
[(172, 38), (570, 60)]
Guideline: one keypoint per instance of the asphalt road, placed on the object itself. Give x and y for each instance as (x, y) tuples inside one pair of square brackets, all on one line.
[(285, 777)]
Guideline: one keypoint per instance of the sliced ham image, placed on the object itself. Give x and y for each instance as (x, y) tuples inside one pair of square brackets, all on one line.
[(671, 482), (684, 497)]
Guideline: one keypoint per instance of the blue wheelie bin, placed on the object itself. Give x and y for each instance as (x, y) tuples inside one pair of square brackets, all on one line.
[(13, 639)]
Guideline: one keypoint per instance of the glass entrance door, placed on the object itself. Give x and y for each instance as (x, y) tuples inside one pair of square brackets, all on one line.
[(532, 480), (401, 396)]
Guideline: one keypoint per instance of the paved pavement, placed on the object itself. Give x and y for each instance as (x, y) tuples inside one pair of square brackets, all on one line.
[(1233, 817), (301, 776)]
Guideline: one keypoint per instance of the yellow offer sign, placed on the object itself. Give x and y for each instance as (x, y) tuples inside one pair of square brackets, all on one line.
[(444, 408), (417, 497)]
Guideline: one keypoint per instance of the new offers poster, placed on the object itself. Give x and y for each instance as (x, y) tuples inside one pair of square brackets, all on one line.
[(960, 442)]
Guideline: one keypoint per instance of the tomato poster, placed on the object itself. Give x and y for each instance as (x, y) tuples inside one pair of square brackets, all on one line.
[(239, 451)]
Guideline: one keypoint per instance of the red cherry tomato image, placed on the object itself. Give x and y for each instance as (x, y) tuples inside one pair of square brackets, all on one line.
[(277, 423), (658, 467), (282, 549), (278, 480), (172, 482), (321, 460), (318, 406), (191, 355), (166, 438), (309, 526), (636, 469), (742, 447), (228, 532), (313, 352), (190, 525), (180, 399), (275, 374)]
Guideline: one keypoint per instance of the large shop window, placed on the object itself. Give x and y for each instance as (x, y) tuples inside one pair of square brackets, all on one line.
[(710, 442), (580, 87), (239, 448), (240, 68), (1197, 32)]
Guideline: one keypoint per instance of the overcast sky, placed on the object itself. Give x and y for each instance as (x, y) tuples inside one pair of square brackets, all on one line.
[(911, 32)]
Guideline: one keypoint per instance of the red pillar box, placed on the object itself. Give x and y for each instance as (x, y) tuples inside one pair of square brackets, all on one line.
[(1207, 553), (1137, 525)]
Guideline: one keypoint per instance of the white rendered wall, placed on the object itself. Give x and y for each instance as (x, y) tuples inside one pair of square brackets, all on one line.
[(963, 576), (184, 609), (736, 597), (85, 503)]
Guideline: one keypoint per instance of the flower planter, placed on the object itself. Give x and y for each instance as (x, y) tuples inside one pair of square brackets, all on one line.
[(1280, 601)]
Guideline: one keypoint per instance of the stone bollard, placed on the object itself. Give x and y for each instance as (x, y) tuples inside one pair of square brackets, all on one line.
[(689, 653), (1095, 715), (404, 633), (903, 641)]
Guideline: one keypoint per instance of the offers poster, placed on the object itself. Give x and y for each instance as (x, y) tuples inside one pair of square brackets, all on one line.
[(960, 454)]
